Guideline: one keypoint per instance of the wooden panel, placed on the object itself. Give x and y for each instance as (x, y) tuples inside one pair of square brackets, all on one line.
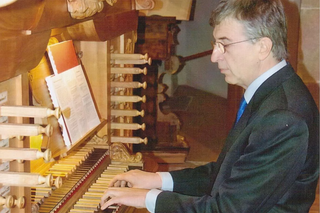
[(292, 8), (113, 26), (19, 17), (155, 36), (25, 28), (56, 15), (30, 16), (314, 90), (96, 65), (181, 9), (21, 54), (104, 28), (17, 93)]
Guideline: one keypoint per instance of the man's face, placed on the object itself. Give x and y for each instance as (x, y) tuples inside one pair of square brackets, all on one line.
[(240, 62)]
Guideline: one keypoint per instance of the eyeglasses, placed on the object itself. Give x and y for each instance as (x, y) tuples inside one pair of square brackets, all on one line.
[(222, 47)]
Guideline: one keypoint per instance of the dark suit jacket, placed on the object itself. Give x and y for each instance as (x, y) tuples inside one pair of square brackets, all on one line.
[(269, 162)]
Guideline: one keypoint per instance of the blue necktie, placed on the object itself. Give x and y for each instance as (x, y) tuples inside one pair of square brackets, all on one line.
[(242, 107)]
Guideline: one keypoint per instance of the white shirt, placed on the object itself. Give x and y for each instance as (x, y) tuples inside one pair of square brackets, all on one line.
[(167, 181), (252, 88)]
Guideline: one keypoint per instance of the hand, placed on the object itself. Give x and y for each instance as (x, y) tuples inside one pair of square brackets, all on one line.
[(124, 196), (137, 179)]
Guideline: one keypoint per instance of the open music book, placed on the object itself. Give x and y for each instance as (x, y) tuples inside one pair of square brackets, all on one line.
[(69, 90)]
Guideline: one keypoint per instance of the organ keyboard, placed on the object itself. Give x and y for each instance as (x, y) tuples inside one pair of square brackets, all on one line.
[(52, 176)]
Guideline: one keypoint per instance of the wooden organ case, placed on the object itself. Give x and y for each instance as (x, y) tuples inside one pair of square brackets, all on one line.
[(51, 176)]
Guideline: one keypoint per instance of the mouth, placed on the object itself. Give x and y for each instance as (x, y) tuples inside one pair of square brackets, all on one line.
[(222, 70)]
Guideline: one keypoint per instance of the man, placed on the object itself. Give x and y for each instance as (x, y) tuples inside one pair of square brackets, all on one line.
[(269, 162)]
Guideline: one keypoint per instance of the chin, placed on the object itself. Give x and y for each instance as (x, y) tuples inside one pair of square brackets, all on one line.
[(229, 81)]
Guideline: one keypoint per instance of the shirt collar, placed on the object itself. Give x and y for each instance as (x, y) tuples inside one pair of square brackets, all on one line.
[(252, 88)]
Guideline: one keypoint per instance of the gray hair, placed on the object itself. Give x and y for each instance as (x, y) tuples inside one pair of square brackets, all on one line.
[(261, 18)]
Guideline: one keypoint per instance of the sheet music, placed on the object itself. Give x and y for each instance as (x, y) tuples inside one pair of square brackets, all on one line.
[(70, 91)]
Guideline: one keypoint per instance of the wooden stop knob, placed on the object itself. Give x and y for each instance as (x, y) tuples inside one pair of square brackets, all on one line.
[(7, 202), (20, 202), (58, 182)]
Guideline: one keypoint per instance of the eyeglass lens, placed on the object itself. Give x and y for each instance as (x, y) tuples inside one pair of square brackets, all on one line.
[(219, 45)]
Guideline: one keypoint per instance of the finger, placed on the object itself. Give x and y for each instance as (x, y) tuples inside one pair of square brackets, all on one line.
[(115, 184), (123, 183), (115, 180), (108, 203), (108, 194), (105, 197)]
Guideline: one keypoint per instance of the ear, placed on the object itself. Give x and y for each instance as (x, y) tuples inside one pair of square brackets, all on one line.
[(265, 45)]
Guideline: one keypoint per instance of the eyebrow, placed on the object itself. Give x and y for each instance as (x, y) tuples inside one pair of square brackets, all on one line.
[(222, 38)]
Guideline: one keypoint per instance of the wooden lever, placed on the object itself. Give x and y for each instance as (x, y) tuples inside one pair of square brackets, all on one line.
[(7, 153), (176, 63), (127, 112), (13, 130), (25, 179), (123, 56), (133, 140), (131, 126), (128, 98), (29, 111), (128, 70), (132, 61), (124, 84)]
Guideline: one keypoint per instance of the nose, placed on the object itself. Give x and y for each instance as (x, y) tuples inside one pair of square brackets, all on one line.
[(215, 55)]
